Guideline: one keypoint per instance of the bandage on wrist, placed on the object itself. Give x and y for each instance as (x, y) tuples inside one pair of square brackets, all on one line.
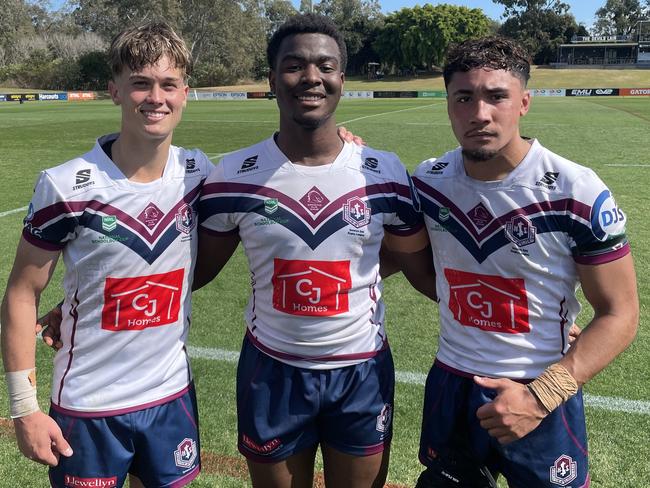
[(22, 392), (553, 387)]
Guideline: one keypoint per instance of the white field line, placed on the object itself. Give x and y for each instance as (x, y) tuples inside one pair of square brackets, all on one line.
[(613, 404), (617, 165), (15, 210), (389, 113)]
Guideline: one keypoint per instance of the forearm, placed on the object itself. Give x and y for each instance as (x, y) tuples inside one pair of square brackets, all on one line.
[(18, 340), (599, 344), (419, 271)]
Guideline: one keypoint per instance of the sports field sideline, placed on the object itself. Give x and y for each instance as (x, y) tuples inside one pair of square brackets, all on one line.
[(608, 134)]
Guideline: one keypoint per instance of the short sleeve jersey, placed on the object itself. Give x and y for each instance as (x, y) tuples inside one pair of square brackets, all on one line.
[(312, 237), (129, 250), (505, 254)]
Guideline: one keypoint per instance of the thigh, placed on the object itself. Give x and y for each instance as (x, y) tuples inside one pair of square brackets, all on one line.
[(277, 405), (554, 454), (356, 416), (167, 447), (343, 469), (296, 471), (103, 451)]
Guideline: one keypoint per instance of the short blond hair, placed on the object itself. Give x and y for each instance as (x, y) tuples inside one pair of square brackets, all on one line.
[(144, 45)]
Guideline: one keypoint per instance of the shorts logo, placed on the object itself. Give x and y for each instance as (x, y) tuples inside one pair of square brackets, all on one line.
[(71, 481), (264, 449), (520, 230), (142, 302), (270, 205), (311, 288), (356, 212), (185, 453), (314, 200), (150, 216), (384, 418), (185, 220), (491, 303), (109, 223), (480, 215), (564, 470)]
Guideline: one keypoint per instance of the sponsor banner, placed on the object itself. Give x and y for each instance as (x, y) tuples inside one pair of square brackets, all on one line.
[(229, 95), (82, 95), (261, 94), (52, 96), (202, 95), (635, 92), (3, 98), (17, 97), (592, 92), (548, 92), (432, 94), (357, 94), (395, 94)]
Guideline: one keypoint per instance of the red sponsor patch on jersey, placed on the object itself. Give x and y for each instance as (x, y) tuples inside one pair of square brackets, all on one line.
[(71, 481), (143, 301), (491, 303), (313, 288)]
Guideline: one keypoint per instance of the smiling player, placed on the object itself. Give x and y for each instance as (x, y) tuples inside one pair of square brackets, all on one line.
[(124, 218)]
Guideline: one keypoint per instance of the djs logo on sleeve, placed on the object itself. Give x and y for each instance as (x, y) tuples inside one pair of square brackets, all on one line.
[(142, 302)]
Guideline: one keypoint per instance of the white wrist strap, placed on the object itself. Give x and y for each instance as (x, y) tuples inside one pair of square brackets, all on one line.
[(22, 392)]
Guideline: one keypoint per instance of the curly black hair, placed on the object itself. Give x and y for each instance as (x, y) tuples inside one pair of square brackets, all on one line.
[(306, 24), (488, 52)]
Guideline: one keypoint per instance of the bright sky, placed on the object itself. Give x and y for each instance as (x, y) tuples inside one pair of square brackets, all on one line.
[(582, 10)]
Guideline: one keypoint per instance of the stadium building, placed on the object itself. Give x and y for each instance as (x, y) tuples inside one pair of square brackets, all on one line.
[(621, 51)]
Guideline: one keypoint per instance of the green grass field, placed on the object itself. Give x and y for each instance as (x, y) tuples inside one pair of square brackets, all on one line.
[(611, 135)]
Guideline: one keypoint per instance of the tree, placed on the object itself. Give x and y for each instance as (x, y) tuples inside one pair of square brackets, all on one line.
[(618, 17), (539, 25), (277, 12), (419, 37)]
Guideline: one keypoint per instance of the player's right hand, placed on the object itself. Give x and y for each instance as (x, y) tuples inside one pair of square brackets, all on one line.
[(40, 438), (50, 323)]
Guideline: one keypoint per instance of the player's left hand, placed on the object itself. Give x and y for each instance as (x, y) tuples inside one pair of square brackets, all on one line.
[(513, 413), (574, 332), (348, 136)]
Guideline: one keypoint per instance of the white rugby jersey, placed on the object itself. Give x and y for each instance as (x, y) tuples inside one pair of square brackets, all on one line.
[(312, 237), (129, 250), (505, 254)]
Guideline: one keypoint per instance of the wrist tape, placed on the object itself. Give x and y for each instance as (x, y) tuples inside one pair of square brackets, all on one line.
[(22, 392), (553, 387)]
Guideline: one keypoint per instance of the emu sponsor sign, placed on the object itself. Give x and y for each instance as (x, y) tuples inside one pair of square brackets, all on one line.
[(592, 92), (635, 92)]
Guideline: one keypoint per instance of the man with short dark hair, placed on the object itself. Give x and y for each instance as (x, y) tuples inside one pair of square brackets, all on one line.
[(312, 213), (515, 229)]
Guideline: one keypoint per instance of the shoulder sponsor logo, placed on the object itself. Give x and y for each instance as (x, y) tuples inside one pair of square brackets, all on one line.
[(480, 216), (150, 216), (437, 168), (520, 231), (371, 164), (141, 302), (564, 470), (190, 166), (548, 179), (311, 288), (82, 179), (314, 200), (249, 164), (487, 302), (71, 481), (185, 220), (356, 212), (606, 217), (30, 213), (185, 453)]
